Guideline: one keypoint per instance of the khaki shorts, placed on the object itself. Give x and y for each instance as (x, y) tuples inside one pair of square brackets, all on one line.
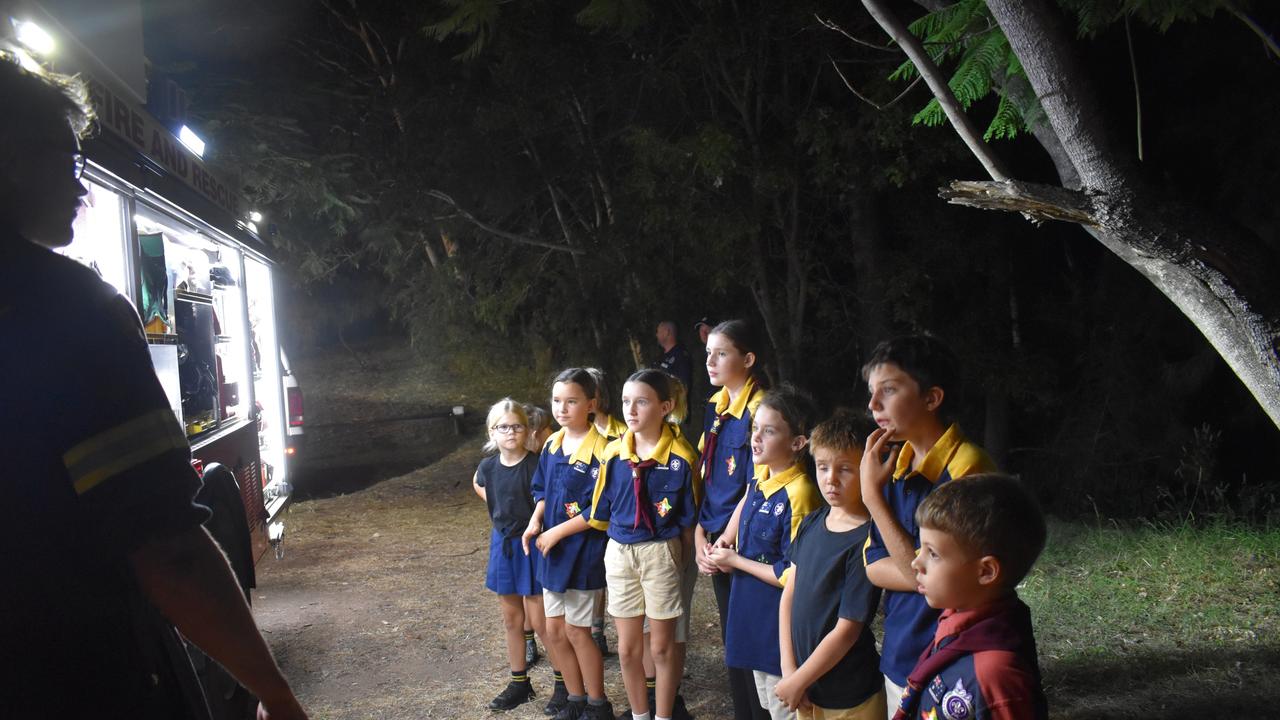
[(577, 606), (765, 683), (873, 708), (892, 698), (688, 580), (644, 579)]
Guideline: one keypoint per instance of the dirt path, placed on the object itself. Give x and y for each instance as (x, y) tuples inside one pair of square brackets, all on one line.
[(378, 609)]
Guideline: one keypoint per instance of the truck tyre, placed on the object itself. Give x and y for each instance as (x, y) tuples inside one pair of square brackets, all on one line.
[(220, 493)]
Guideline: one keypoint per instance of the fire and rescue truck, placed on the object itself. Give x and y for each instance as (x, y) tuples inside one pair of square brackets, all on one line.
[(179, 242)]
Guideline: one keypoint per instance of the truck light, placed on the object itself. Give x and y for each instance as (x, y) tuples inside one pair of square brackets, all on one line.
[(33, 37), (191, 140)]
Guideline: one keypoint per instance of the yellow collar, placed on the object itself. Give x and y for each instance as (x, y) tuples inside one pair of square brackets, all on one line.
[(615, 429), (770, 485), (935, 461), (592, 445), (661, 452), (739, 404)]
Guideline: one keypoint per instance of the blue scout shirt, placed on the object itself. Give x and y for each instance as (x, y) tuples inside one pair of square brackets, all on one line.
[(726, 474), (909, 622), (770, 518), (672, 490), (1001, 682), (567, 484)]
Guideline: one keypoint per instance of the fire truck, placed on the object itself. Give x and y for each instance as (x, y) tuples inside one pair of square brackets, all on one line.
[(178, 242)]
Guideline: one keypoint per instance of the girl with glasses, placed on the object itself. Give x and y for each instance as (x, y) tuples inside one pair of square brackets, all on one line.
[(505, 481)]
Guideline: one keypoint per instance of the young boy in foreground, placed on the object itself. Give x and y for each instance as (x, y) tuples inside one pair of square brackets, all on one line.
[(979, 537), (830, 667)]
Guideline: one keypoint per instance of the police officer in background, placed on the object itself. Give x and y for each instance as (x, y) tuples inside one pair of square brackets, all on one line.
[(675, 359), (98, 529)]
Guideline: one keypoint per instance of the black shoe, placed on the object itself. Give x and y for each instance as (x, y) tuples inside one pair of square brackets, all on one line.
[(515, 694), (601, 642), (597, 712), (572, 710), (559, 696), (530, 653)]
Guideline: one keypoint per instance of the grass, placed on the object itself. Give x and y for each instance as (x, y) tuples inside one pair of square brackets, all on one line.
[(1158, 621)]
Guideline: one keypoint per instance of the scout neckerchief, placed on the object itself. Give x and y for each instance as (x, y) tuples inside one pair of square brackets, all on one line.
[(1003, 625), (724, 408), (640, 468), (638, 471)]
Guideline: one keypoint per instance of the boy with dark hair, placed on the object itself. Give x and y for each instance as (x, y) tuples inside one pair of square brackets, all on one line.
[(830, 668), (979, 536), (914, 385)]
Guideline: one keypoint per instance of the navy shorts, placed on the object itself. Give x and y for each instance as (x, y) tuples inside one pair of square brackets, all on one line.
[(510, 571)]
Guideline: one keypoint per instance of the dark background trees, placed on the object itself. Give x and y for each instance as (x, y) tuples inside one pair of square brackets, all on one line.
[(517, 186)]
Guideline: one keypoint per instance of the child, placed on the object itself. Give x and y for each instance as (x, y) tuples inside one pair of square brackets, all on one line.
[(536, 436), (732, 351), (830, 667), (573, 567), (913, 383), (539, 427), (765, 522), (646, 498), (606, 424), (979, 536), (503, 481), (611, 428)]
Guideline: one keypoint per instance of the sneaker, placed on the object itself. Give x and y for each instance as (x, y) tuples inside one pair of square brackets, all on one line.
[(530, 653), (601, 642), (559, 696), (572, 710), (597, 712), (515, 694)]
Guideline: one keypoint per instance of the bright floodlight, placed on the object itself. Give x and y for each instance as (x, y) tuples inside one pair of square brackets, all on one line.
[(34, 37), (191, 140), (253, 227), (255, 216)]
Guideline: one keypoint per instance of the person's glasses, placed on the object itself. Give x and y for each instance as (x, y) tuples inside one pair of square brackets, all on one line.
[(507, 429), (77, 157)]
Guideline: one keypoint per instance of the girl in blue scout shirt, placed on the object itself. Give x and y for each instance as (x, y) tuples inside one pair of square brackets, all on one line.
[(646, 498), (504, 482), (573, 552), (726, 467), (779, 497)]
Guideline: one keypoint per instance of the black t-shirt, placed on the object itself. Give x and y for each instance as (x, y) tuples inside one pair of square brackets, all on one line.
[(677, 363), (93, 464), (508, 492), (831, 583)]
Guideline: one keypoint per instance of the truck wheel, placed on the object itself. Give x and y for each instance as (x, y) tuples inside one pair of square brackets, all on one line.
[(226, 698)]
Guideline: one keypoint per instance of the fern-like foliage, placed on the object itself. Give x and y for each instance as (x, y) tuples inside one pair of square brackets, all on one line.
[(1092, 16), (470, 18), (966, 34), (621, 16)]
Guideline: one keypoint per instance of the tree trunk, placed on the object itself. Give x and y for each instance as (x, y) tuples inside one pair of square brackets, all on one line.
[(1217, 274)]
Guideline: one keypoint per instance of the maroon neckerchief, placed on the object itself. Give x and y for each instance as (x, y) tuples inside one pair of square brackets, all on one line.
[(1004, 625), (709, 450), (638, 471)]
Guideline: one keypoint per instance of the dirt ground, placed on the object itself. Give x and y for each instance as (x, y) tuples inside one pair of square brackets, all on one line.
[(378, 608)]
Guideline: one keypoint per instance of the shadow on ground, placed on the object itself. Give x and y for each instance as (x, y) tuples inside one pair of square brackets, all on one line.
[(1169, 684)]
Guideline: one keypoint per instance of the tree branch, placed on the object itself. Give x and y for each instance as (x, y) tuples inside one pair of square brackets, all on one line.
[(498, 232), (938, 84)]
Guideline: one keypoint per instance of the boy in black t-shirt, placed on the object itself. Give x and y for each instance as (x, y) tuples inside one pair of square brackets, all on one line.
[(830, 667)]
